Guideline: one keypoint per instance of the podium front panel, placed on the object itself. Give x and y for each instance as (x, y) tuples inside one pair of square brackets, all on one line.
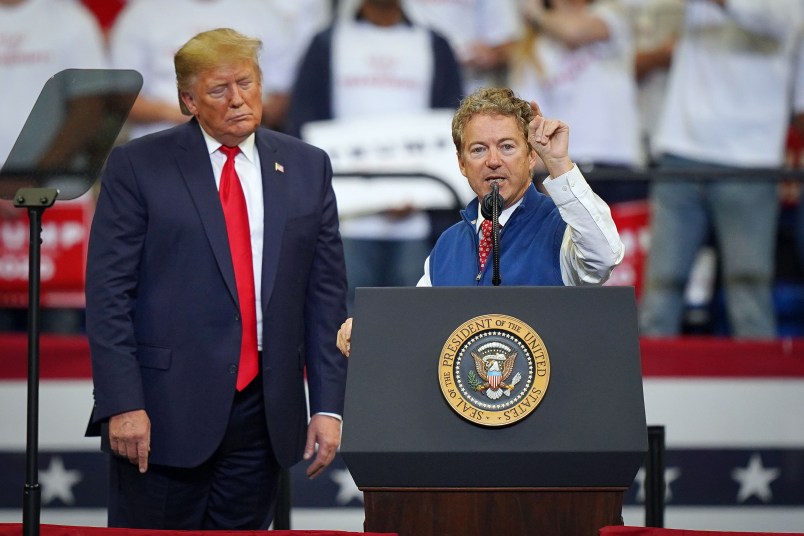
[(588, 431)]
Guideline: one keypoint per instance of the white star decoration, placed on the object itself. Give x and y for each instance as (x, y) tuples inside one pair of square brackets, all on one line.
[(57, 482), (670, 475), (347, 489), (754, 480)]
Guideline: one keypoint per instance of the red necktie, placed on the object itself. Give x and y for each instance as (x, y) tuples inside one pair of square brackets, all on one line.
[(236, 214), (485, 242)]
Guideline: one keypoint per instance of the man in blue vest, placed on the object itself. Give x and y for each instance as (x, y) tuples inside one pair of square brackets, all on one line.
[(566, 237)]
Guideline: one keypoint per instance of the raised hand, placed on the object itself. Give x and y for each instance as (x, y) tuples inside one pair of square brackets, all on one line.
[(550, 139)]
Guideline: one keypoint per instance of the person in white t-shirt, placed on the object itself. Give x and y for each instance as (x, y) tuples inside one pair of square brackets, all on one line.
[(576, 61), (727, 107), (375, 61), (481, 32), (39, 38), (147, 34)]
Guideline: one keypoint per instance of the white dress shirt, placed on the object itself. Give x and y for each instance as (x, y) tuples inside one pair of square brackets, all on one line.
[(247, 165)]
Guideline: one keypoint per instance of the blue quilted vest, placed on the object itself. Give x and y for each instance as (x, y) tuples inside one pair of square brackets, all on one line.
[(529, 247)]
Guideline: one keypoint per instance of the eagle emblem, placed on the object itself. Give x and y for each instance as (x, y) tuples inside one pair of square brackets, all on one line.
[(493, 370), (494, 363)]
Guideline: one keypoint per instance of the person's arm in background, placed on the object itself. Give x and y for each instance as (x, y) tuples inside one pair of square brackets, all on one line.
[(500, 27), (145, 111), (83, 119), (486, 57), (572, 25), (128, 50), (648, 61), (770, 19)]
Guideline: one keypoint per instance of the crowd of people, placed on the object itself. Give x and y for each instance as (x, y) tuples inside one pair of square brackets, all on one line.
[(645, 84)]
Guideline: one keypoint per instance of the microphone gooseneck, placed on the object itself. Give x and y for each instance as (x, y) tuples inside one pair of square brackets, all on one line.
[(490, 207)]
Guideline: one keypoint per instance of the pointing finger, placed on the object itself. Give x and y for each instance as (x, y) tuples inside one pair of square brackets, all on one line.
[(142, 456)]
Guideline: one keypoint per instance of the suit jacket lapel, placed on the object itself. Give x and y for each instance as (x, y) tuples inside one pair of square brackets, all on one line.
[(196, 171), (274, 194)]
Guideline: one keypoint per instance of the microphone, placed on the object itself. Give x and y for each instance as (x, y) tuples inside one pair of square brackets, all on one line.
[(490, 207), (487, 206)]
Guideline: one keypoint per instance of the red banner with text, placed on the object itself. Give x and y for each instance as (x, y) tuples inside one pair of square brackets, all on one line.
[(64, 239)]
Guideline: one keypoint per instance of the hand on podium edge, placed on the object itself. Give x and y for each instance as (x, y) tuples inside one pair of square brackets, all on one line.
[(344, 341)]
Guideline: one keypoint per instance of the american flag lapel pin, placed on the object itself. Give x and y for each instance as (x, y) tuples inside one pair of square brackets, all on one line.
[(279, 167)]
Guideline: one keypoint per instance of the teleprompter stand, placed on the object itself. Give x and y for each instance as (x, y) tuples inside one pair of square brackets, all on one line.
[(35, 200), (562, 469), (58, 155)]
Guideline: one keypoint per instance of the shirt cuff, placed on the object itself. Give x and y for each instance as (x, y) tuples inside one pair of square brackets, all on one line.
[(566, 187), (330, 415)]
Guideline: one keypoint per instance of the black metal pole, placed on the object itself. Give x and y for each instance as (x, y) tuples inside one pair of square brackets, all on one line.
[(32, 498), (654, 478), (36, 200), (283, 502)]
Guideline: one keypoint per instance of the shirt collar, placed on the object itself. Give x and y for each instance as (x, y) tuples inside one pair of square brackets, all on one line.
[(504, 215), (247, 146)]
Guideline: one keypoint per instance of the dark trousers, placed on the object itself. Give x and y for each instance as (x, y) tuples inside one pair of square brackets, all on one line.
[(235, 489)]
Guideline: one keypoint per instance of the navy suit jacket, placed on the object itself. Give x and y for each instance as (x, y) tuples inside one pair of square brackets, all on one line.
[(162, 309)]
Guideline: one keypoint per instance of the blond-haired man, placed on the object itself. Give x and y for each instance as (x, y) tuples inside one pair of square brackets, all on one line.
[(202, 318)]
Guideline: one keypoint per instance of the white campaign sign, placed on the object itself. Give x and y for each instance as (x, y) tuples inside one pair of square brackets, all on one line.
[(411, 144)]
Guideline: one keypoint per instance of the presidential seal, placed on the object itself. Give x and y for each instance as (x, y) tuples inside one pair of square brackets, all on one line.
[(494, 370)]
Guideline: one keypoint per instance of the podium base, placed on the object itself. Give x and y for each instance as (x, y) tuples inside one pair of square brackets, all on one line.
[(473, 511)]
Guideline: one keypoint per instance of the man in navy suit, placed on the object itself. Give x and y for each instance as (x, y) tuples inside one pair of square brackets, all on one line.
[(194, 442)]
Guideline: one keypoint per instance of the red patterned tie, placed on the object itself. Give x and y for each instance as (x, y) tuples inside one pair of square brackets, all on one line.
[(236, 214), (485, 242)]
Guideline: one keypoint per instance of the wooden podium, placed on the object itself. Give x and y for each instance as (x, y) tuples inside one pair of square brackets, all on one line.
[(478, 511), (561, 470)]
